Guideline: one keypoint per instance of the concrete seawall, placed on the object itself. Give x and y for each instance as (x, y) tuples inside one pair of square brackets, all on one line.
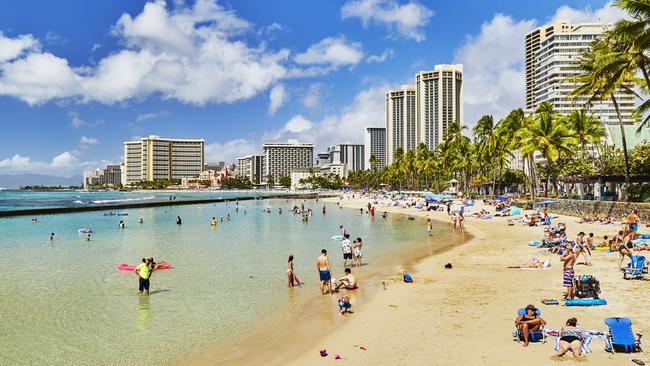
[(124, 206), (601, 208)]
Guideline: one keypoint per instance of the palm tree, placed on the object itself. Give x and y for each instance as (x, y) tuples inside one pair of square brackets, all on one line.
[(631, 37), (374, 162), (586, 128), (513, 128), (548, 135), (603, 72)]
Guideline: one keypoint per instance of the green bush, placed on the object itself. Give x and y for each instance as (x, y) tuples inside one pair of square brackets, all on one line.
[(639, 192)]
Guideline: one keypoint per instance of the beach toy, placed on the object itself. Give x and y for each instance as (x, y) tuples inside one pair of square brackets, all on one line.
[(338, 357), (550, 302), (85, 230), (336, 237), (585, 302), (534, 243), (128, 267), (601, 249), (323, 353), (408, 278)]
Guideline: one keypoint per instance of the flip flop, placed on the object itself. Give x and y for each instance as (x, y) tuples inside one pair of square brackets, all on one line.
[(323, 353), (338, 357), (638, 362)]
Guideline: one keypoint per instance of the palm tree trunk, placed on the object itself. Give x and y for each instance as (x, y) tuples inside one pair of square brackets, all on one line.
[(623, 140), (533, 175), (642, 66)]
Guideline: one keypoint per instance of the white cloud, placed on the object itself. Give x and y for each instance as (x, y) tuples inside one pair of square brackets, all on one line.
[(367, 109), (277, 97), (88, 140), (387, 54), (312, 97), (77, 122), (188, 54), (229, 151), (331, 51), (95, 47), (405, 20), (493, 68), (66, 164), (12, 48), (151, 115), (607, 14)]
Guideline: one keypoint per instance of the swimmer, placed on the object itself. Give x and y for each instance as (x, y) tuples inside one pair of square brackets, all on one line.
[(121, 224), (52, 237), (213, 222), (34, 220), (88, 237), (221, 218), (178, 220), (141, 221)]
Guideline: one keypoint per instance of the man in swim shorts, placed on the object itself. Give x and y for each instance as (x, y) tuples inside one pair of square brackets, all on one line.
[(143, 270), (324, 271), (633, 221), (346, 248), (569, 258)]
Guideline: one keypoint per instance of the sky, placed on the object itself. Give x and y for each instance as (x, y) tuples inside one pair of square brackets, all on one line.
[(78, 78)]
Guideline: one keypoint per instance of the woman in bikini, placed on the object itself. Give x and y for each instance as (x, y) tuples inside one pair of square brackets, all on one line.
[(290, 277), (529, 322), (570, 339)]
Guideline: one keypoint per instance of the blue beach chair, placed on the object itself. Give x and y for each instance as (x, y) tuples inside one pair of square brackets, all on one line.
[(620, 337), (533, 337), (636, 268)]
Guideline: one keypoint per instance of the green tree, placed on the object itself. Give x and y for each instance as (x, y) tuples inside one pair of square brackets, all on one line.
[(269, 180), (285, 181), (586, 128)]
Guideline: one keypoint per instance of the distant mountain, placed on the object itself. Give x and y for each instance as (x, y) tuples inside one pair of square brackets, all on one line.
[(15, 181)]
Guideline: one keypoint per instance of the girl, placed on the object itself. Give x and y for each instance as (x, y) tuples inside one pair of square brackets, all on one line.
[(358, 254), (290, 276)]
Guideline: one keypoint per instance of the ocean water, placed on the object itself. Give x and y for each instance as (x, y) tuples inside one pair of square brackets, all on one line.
[(65, 303), (13, 199)]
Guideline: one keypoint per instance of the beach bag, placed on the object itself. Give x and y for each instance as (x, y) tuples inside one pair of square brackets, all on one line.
[(408, 278), (586, 286)]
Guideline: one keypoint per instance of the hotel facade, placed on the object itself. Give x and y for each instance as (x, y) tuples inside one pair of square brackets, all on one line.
[(280, 158), (155, 158), (374, 143), (550, 54), (250, 167)]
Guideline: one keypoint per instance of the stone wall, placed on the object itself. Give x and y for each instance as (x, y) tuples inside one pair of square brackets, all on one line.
[(601, 208)]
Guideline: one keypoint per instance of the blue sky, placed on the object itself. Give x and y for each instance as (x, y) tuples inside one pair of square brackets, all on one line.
[(77, 78)]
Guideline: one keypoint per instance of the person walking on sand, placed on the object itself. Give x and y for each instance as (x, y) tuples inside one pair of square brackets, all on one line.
[(583, 248), (429, 226), (569, 259), (346, 248), (143, 271), (290, 275), (461, 220), (324, 272)]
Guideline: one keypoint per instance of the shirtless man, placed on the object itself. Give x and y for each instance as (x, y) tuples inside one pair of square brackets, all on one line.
[(348, 281), (633, 221), (324, 271), (569, 259)]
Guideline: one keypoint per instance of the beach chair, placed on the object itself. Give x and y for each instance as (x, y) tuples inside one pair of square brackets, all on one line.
[(620, 337), (533, 337), (636, 268)]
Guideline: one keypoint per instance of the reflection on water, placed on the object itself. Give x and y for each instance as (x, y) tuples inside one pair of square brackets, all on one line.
[(144, 311)]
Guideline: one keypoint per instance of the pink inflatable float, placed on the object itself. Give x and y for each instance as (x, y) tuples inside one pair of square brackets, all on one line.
[(128, 267)]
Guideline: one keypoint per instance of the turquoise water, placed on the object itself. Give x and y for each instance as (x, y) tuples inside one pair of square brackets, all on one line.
[(64, 302), (19, 199)]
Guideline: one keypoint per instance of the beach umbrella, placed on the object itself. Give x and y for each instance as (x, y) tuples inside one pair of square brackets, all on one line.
[(514, 211), (432, 200), (502, 198)]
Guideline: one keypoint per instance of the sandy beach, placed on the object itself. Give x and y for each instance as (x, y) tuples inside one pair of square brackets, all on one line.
[(465, 316)]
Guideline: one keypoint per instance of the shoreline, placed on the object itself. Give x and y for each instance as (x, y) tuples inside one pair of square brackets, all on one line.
[(124, 206), (278, 341)]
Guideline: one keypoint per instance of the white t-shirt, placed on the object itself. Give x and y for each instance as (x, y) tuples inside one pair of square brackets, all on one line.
[(346, 246)]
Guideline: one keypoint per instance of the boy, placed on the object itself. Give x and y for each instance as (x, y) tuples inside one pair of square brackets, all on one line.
[(344, 306)]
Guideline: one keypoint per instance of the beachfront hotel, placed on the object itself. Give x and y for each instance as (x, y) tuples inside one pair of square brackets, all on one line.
[(250, 167), (155, 158), (374, 143), (280, 158), (421, 113), (352, 155), (550, 53), (401, 123)]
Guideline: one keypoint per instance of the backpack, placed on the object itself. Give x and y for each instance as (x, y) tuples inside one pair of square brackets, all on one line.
[(408, 278)]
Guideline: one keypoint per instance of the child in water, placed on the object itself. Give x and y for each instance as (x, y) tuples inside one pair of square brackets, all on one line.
[(344, 305)]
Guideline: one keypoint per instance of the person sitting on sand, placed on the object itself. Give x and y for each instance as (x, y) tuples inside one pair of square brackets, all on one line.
[(344, 305), (570, 339), (348, 281), (529, 322)]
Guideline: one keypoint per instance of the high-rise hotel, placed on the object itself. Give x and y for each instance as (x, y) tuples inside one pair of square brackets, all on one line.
[(155, 158), (374, 144), (280, 158), (422, 112), (551, 52)]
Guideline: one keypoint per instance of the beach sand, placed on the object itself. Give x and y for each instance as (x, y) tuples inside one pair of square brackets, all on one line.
[(465, 316)]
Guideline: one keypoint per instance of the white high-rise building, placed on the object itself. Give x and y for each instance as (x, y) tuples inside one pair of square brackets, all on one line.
[(155, 158), (439, 102), (251, 168), (280, 158), (352, 155), (374, 143), (551, 52), (401, 126)]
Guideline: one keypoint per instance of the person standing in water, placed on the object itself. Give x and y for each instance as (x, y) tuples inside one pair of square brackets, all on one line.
[(143, 271), (290, 275), (52, 237), (121, 225), (324, 272), (429, 226), (324, 210), (141, 221), (346, 248), (178, 220)]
